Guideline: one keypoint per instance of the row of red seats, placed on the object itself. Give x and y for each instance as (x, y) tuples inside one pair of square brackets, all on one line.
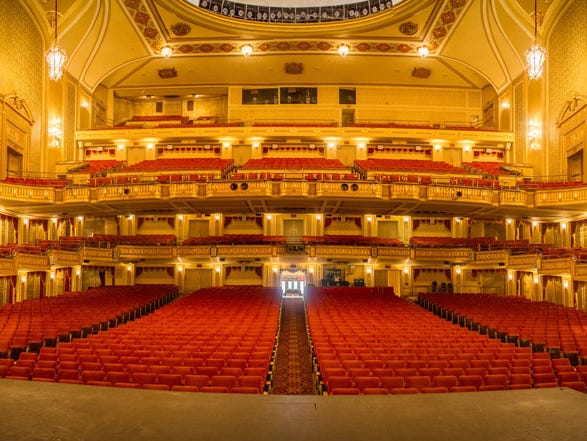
[(294, 164), (34, 323), (354, 339), (542, 324), (343, 239), (234, 239), (409, 165), (43, 182), (99, 166), (230, 333), (190, 164)]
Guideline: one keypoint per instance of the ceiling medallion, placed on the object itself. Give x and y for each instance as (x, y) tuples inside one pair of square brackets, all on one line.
[(294, 68), (408, 28), (181, 29), (168, 72), (421, 72)]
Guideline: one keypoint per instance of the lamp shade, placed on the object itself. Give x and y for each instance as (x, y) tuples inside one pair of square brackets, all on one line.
[(535, 56)]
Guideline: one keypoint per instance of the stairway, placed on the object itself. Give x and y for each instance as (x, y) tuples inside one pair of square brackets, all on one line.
[(292, 369)]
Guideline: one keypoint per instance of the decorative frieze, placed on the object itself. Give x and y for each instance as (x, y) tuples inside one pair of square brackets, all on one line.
[(139, 252)]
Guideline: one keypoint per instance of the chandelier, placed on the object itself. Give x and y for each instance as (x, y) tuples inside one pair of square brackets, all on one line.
[(56, 56), (536, 55)]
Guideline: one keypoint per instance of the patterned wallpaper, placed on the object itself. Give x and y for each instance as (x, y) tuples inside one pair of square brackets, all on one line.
[(567, 55), (21, 55)]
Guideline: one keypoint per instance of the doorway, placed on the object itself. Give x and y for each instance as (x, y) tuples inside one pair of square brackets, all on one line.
[(292, 283)]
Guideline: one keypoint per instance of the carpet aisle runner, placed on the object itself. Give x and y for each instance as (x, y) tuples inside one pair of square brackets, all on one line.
[(292, 369)]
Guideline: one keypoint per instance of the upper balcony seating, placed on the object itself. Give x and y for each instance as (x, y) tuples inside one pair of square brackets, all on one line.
[(493, 169), (407, 165), (294, 164), (539, 185), (137, 240), (42, 182), (11, 250), (98, 167), (295, 124), (234, 239), (342, 239), (183, 164)]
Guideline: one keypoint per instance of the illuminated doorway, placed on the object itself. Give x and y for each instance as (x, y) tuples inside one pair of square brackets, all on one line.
[(293, 283)]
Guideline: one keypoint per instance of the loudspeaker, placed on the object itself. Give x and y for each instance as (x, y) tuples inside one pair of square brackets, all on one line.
[(354, 187), (234, 186), (344, 187), (126, 191), (244, 186), (459, 194)]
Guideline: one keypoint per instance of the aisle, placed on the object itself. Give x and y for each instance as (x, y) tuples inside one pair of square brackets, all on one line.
[(292, 370)]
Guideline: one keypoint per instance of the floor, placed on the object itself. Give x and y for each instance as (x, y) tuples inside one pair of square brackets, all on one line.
[(65, 412)]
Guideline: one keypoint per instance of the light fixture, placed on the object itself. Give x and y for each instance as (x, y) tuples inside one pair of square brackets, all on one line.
[(343, 50), (536, 55), (166, 51), (55, 132), (534, 135), (423, 51), (56, 56), (247, 50)]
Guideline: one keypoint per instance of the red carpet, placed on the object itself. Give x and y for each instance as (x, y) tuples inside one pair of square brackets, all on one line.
[(292, 370)]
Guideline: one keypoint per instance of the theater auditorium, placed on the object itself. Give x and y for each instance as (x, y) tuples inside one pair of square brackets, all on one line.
[(317, 220)]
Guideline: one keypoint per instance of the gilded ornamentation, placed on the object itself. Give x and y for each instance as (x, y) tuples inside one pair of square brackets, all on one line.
[(294, 68), (168, 73), (408, 28), (181, 29)]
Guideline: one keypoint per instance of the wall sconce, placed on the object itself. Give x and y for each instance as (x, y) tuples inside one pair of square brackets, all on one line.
[(180, 217), (179, 268), (52, 275), (458, 270), (275, 268), (217, 217), (311, 270), (343, 50), (563, 225), (129, 268), (331, 145), (437, 147), (55, 132), (505, 105), (120, 146), (368, 270), (565, 284), (510, 275), (84, 104), (150, 146), (534, 224), (508, 221), (25, 221), (23, 279), (269, 217), (318, 217), (406, 219), (534, 135), (369, 218), (78, 272), (80, 218), (406, 270), (217, 269), (536, 280)]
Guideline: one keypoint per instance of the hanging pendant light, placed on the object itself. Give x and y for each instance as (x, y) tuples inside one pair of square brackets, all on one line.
[(536, 55), (56, 56)]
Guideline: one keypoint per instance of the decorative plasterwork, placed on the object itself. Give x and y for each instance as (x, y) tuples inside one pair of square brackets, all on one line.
[(142, 16)]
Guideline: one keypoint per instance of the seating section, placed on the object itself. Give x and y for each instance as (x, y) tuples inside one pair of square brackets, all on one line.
[(558, 330), (294, 164), (31, 324), (42, 182), (346, 239), (407, 165), (490, 168), (98, 167), (215, 340), (368, 341), (184, 164)]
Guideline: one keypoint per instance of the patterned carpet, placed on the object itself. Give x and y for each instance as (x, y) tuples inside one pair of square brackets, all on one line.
[(292, 370)]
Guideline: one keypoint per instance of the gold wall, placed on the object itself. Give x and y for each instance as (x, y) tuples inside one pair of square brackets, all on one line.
[(567, 64), (21, 72)]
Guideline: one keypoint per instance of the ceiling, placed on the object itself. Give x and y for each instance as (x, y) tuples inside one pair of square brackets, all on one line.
[(117, 43)]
